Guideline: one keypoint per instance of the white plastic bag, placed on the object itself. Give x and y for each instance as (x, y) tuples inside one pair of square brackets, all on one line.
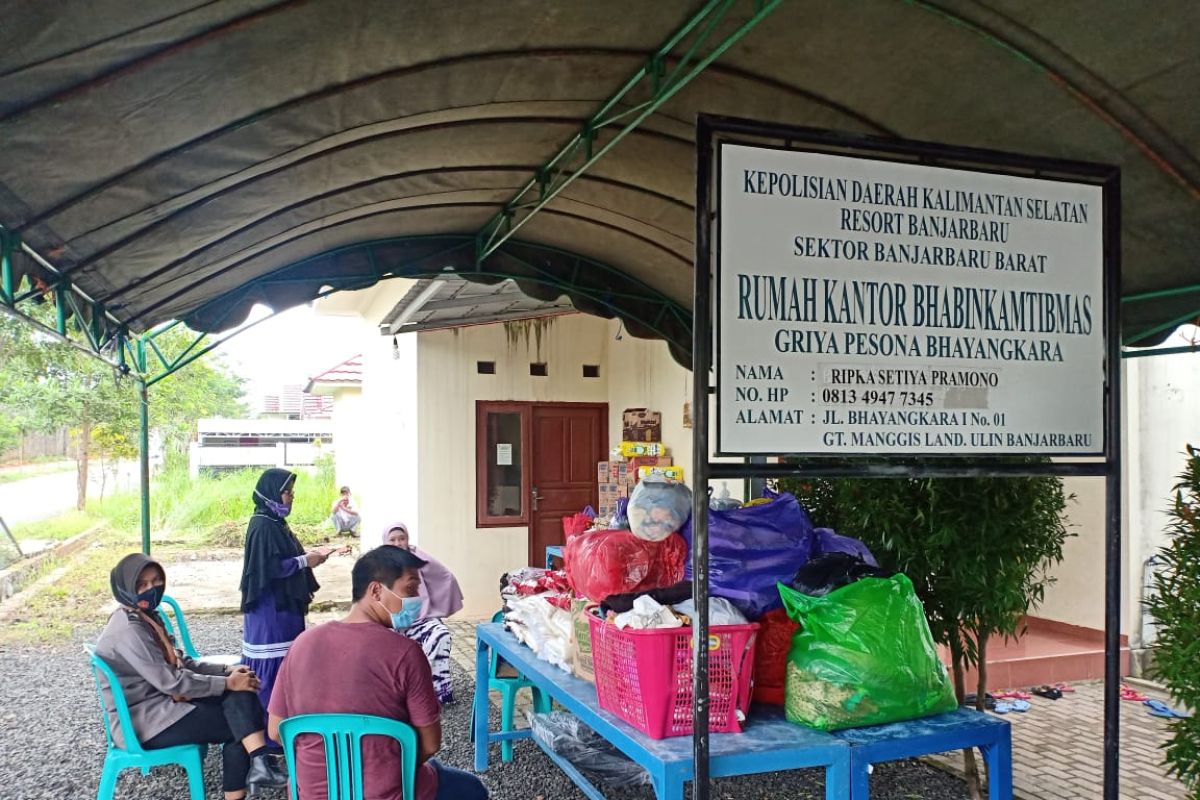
[(720, 611), (658, 508), (647, 613)]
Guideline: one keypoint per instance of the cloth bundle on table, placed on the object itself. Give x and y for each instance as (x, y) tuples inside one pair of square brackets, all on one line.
[(277, 583), (441, 597), (537, 610)]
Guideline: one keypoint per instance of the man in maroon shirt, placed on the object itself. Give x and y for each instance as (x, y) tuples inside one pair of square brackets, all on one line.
[(359, 665)]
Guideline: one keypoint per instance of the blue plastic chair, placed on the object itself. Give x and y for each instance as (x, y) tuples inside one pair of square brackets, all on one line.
[(508, 688), (342, 735), (185, 636), (133, 755)]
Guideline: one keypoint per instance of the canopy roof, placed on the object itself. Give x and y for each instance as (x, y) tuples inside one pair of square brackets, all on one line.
[(437, 304), (185, 159)]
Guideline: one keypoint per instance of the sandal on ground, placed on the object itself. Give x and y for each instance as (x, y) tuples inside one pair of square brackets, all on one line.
[(1132, 695), (1048, 692), (1158, 708), (989, 701)]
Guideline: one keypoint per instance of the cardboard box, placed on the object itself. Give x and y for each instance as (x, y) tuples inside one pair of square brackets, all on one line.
[(614, 472), (609, 494), (641, 425), (637, 462)]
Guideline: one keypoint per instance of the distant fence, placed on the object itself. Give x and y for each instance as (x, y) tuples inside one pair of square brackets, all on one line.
[(40, 445)]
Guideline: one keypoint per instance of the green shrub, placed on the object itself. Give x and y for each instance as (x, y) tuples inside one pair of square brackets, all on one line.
[(1176, 606)]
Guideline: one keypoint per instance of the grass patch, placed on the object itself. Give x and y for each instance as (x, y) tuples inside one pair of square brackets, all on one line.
[(79, 595), (212, 511), (34, 470), (64, 526)]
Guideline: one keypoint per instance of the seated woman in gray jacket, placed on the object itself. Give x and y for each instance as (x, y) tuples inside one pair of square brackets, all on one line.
[(172, 699)]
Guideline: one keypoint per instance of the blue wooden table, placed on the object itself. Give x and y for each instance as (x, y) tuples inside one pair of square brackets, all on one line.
[(768, 744), (938, 734)]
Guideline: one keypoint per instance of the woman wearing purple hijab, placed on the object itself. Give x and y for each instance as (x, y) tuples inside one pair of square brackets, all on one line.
[(442, 597), (277, 579)]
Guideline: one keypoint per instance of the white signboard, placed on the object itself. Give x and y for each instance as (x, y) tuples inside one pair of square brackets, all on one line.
[(877, 307)]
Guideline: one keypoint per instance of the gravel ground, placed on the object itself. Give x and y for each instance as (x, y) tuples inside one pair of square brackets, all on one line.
[(53, 744)]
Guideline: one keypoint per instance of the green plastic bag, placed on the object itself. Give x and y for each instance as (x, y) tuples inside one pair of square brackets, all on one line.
[(863, 656)]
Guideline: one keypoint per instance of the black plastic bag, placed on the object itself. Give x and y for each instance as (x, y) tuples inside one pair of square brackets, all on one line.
[(830, 571)]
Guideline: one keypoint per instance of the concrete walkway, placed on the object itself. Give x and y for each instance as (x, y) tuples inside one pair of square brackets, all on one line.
[(211, 586), (1058, 748), (1057, 744)]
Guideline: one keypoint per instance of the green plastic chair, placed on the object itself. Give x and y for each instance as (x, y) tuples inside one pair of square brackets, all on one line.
[(342, 735), (185, 636), (133, 755), (508, 688)]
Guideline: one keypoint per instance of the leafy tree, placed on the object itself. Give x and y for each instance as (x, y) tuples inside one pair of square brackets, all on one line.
[(1176, 607), (46, 384), (978, 551)]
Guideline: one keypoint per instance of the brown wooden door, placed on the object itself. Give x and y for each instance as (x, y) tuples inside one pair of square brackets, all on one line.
[(568, 440)]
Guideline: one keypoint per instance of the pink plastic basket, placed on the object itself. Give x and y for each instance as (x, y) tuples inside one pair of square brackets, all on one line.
[(645, 677)]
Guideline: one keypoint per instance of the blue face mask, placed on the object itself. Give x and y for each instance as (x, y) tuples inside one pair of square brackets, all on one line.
[(149, 599), (409, 613)]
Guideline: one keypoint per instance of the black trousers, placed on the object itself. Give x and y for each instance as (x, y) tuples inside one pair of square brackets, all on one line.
[(224, 720)]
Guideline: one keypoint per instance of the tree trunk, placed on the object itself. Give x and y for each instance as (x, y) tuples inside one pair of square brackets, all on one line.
[(81, 463), (970, 767), (981, 640)]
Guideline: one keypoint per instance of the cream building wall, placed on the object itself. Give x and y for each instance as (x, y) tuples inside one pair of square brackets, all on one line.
[(1077, 595), (350, 446), (448, 386), (1163, 416)]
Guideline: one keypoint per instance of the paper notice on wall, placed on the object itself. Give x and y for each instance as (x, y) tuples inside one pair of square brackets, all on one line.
[(504, 454)]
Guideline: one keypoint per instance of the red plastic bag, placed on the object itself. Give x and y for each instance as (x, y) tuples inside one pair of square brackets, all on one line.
[(577, 523), (601, 563), (770, 656)]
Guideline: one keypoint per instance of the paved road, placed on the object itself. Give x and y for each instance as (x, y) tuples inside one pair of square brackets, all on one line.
[(48, 495)]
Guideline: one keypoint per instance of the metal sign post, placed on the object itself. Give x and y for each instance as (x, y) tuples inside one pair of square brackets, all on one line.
[(940, 308)]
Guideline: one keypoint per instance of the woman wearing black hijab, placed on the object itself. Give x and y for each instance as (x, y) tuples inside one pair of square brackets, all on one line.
[(172, 699), (277, 580)]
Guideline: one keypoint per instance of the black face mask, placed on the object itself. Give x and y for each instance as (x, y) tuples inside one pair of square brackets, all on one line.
[(149, 599)]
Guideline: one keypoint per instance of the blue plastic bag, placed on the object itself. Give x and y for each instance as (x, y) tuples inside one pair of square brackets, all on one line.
[(752, 548)]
